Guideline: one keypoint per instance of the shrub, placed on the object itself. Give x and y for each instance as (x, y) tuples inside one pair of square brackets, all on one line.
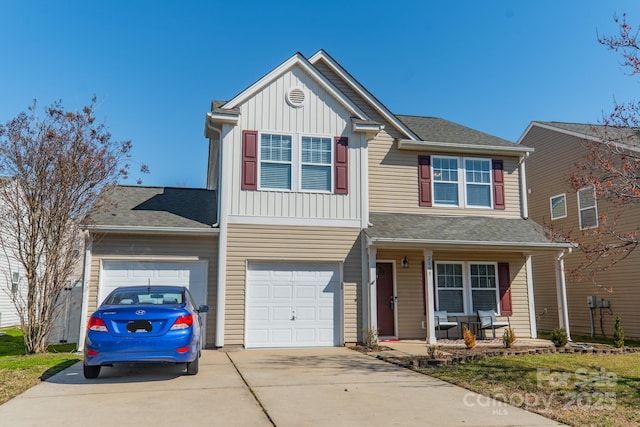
[(433, 351), (559, 337), (618, 335), (370, 338), (469, 338), (508, 338)]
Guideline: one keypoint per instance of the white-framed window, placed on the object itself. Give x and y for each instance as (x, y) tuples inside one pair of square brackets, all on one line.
[(462, 182), (558, 206), (295, 162), (587, 207), (465, 287)]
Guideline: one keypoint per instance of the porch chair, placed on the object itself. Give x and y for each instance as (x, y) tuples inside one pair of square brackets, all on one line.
[(443, 323), (487, 320)]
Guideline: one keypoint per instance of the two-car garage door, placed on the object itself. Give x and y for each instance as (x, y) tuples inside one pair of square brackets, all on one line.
[(292, 305)]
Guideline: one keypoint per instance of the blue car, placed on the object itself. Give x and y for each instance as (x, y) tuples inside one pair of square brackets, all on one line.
[(144, 324)]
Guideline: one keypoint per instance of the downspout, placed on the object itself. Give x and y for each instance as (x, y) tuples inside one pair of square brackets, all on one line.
[(524, 193), (222, 244), (561, 284), (86, 276)]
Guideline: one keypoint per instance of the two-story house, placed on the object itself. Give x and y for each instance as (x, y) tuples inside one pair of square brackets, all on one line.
[(560, 148), (326, 215)]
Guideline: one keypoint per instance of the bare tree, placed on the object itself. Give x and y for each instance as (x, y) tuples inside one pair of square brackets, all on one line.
[(56, 163), (612, 167)]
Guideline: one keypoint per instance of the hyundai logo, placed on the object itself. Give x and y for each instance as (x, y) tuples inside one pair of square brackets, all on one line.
[(140, 312)]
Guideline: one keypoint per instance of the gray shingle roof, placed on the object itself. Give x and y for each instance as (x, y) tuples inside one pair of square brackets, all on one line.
[(462, 230), (629, 136), (132, 206), (433, 129)]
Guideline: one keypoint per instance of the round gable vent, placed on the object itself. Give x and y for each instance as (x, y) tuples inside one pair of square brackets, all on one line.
[(296, 97)]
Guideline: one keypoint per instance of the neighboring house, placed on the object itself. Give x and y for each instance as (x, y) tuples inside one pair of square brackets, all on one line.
[(326, 216), (553, 202)]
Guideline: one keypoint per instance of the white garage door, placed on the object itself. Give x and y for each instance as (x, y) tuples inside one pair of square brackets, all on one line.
[(192, 274), (292, 305)]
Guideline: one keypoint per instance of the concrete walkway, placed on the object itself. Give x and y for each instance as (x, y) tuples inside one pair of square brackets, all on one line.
[(302, 387)]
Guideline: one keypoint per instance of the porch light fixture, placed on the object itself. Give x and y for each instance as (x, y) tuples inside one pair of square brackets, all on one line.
[(405, 262)]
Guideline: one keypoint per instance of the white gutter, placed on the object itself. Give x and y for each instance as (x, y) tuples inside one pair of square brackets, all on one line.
[(86, 276), (407, 144), (231, 118), (561, 288), (141, 229), (393, 240), (524, 191)]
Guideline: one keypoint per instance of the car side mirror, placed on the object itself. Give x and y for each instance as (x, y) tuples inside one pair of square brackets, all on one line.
[(203, 308)]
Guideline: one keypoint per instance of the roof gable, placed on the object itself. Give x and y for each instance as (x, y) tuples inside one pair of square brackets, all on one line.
[(300, 61)]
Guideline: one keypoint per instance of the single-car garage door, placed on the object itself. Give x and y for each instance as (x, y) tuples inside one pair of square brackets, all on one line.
[(292, 305), (192, 274)]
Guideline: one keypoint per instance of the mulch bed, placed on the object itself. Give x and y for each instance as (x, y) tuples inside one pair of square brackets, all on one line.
[(454, 355)]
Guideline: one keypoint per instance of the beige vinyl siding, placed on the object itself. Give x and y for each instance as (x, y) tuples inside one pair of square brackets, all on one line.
[(158, 248), (410, 289), (548, 171), (321, 115), (393, 182), (247, 243)]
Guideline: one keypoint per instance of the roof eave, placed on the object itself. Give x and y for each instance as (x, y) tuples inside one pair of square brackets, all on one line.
[(136, 229), (407, 144), (476, 245)]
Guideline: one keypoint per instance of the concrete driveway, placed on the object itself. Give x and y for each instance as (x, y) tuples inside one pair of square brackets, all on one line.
[(302, 387)]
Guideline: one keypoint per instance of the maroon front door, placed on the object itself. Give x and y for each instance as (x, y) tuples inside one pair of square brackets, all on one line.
[(386, 301)]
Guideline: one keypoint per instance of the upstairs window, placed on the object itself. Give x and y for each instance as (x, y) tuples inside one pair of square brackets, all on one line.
[(316, 163), (462, 182), (558, 206), (275, 161), (587, 208)]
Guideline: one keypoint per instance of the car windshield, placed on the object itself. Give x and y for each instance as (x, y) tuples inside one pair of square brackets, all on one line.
[(153, 296)]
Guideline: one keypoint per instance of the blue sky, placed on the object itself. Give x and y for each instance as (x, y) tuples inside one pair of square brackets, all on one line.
[(155, 65)]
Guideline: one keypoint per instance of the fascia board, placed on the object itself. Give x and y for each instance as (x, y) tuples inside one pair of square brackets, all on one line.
[(360, 90), (576, 135), (476, 245), (129, 229), (406, 144), (300, 60)]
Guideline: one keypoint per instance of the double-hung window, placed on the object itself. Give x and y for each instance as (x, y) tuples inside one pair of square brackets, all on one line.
[(276, 162), (558, 206), (296, 162), (461, 182), (316, 163), (587, 207), (465, 287)]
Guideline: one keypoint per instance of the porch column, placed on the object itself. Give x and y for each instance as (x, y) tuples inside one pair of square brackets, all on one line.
[(532, 306), (373, 295), (561, 288), (429, 296)]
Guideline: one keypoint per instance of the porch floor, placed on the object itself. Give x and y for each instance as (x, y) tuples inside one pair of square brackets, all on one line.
[(419, 347)]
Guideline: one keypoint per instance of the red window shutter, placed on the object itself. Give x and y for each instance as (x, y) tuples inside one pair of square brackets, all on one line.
[(341, 165), (504, 283), (424, 180), (498, 184), (249, 160)]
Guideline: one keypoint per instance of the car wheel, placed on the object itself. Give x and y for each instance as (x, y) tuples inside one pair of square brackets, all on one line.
[(192, 367), (91, 371)]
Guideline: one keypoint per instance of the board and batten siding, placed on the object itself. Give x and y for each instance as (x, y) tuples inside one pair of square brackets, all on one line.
[(321, 115), (548, 171), (158, 248), (393, 182), (410, 290), (8, 313), (264, 243)]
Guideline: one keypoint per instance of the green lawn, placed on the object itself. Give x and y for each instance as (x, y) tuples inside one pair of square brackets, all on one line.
[(575, 389), (19, 371)]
